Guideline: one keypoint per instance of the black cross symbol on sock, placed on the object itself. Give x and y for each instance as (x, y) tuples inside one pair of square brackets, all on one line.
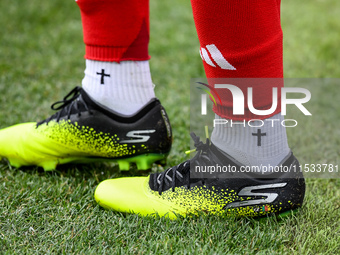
[(103, 74), (259, 134)]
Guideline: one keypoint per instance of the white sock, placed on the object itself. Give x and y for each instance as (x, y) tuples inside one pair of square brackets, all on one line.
[(123, 87), (245, 144)]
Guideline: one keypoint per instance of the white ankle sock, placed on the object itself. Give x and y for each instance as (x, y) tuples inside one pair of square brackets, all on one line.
[(123, 87), (253, 146)]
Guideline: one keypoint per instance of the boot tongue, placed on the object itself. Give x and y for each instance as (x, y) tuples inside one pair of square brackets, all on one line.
[(184, 169), (182, 177), (78, 105), (154, 181), (66, 107)]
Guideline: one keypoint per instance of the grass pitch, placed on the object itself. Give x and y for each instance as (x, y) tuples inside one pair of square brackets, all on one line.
[(41, 58)]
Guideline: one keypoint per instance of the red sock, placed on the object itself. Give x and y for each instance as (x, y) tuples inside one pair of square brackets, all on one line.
[(115, 30), (241, 39)]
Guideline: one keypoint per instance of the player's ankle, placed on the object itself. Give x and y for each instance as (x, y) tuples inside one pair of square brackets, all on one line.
[(123, 87), (253, 145)]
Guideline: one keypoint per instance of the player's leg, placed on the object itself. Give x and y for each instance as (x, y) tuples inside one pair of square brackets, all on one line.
[(116, 35), (240, 39), (245, 43), (114, 115)]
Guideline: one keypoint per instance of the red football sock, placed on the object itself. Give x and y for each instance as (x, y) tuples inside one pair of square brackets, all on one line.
[(116, 35), (115, 30), (241, 39)]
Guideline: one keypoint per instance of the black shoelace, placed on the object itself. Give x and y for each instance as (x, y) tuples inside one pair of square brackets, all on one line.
[(180, 174), (70, 104)]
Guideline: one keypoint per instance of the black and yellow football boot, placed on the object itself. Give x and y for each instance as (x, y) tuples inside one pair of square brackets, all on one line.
[(210, 182), (82, 131)]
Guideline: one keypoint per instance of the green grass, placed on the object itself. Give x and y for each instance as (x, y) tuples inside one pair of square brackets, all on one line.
[(41, 58)]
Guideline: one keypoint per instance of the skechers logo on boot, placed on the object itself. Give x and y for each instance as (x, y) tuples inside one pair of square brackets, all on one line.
[(248, 191), (137, 136)]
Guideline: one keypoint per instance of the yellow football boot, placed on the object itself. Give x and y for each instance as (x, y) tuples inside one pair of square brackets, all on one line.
[(82, 131), (182, 190)]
